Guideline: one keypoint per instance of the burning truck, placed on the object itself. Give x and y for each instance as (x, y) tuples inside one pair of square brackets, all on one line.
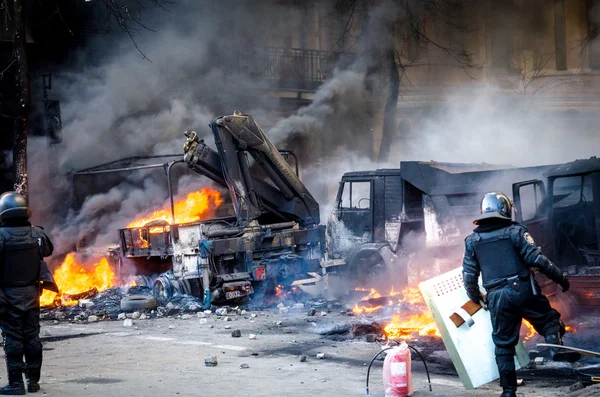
[(273, 237), (407, 225), (390, 227)]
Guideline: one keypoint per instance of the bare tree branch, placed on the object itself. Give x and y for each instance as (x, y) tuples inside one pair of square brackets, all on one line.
[(129, 20), (12, 61)]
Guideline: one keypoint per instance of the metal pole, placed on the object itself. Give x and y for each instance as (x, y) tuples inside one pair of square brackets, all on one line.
[(140, 167), (170, 185)]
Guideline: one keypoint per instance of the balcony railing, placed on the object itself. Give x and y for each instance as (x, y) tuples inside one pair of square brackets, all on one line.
[(292, 68)]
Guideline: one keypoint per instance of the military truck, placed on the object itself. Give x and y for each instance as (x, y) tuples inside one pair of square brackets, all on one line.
[(273, 238), (381, 217), (562, 213)]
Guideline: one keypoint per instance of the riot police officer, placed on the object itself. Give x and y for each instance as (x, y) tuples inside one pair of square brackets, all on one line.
[(22, 248), (505, 254)]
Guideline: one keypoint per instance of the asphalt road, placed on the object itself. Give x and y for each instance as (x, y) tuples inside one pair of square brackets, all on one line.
[(165, 357)]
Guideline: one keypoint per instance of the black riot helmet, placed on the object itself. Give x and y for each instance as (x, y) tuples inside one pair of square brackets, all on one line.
[(495, 205), (13, 206)]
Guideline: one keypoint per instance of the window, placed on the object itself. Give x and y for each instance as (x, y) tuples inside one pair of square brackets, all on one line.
[(531, 198), (572, 190), (356, 195)]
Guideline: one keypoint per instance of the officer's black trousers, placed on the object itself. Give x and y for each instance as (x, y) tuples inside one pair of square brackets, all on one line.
[(21, 329), (508, 305)]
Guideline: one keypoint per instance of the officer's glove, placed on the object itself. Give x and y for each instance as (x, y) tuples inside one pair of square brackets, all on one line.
[(474, 295), (565, 284)]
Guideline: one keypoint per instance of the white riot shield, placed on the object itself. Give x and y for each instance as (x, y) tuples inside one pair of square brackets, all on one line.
[(470, 345)]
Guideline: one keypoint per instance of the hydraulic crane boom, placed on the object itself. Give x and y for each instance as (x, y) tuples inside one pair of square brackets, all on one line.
[(282, 196)]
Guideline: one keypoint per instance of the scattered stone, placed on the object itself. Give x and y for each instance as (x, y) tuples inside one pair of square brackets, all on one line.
[(226, 318), (128, 322), (207, 312), (303, 358), (244, 366), (253, 315), (55, 322), (121, 316), (135, 315), (323, 314), (211, 326), (203, 320), (255, 354), (251, 336), (170, 306), (47, 333), (85, 303), (222, 311), (186, 316), (236, 333), (210, 361), (284, 310), (201, 315), (279, 323), (228, 326), (243, 312), (370, 338), (321, 356), (171, 327), (92, 319), (298, 306), (312, 311), (576, 386), (144, 316), (280, 305)]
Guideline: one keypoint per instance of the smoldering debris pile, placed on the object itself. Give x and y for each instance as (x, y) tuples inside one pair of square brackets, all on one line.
[(107, 305)]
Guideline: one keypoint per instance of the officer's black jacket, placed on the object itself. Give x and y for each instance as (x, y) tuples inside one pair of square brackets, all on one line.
[(524, 245), (27, 297)]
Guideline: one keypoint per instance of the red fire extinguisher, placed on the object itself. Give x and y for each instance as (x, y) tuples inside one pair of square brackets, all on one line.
[(397, 376)]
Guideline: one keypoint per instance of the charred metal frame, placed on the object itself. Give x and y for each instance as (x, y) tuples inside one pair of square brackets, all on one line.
[(100, 169)]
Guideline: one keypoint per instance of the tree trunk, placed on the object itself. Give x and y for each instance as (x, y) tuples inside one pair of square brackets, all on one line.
[(389, 115), (24, 93)]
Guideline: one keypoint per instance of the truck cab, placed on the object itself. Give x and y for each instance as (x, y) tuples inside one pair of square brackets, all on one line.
[(562, 213)]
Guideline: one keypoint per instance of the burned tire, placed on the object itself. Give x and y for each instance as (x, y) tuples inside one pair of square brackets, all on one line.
[(162, 290), (370, 271), (138, 302)]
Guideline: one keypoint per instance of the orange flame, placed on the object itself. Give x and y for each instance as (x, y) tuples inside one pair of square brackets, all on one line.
[(410, 295), (401, 325), (421, 324), (191, 209), (530, 330), (365, 309), (74, 278)]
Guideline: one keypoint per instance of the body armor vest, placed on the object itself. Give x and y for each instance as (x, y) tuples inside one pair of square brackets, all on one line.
[(498, 257), (21, 257)]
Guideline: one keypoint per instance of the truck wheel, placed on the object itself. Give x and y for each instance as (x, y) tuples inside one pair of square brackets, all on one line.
[(138, 302), (162, 290), (370, 272)]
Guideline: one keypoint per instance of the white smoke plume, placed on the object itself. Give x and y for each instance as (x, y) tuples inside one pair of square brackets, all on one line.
[(123, 105)]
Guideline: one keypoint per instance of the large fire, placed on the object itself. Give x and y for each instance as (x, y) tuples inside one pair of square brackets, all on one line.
[(75, 278), (402, 324), (191, 209)]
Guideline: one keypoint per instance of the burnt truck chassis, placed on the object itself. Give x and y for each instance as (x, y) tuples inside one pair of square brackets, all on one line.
[(274, 237), (233, 261)]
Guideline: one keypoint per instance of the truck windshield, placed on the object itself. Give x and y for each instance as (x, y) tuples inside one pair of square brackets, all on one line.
[(572, 190)]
